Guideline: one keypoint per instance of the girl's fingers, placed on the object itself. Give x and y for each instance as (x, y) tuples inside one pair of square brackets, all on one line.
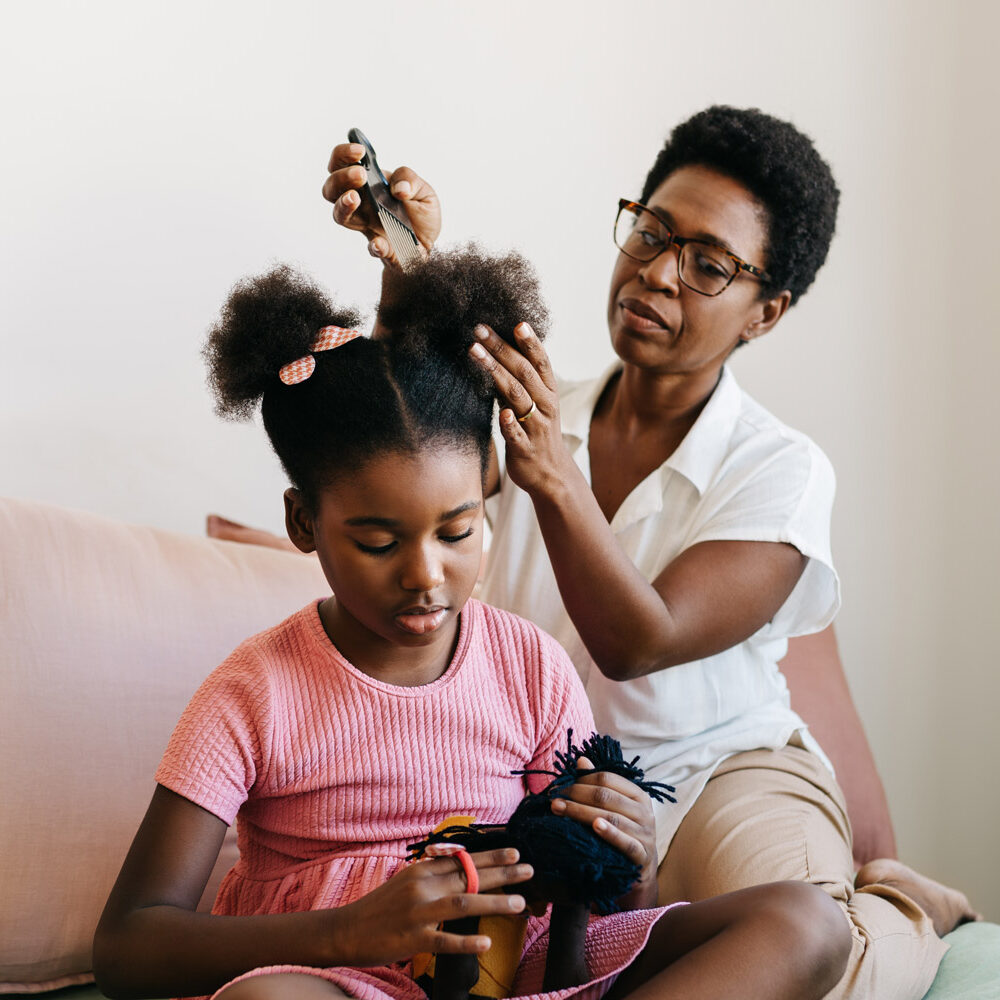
[(589, 814), (619, 831), (611, 792), (461, 904), (631, 847), (496, 869)]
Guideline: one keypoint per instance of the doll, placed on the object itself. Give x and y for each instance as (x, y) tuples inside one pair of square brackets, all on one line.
[(575, 870)]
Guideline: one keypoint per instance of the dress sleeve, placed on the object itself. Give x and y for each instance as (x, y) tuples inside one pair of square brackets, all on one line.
[(565, 708), (219, 749), (786, 497)]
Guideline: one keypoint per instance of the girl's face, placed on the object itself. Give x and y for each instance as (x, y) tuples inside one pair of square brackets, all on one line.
[(400, 542)]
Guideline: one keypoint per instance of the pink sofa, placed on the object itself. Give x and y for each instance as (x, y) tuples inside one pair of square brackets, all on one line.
[(106, 629)]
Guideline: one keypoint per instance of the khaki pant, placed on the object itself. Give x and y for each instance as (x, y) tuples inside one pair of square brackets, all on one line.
[(775, 815)]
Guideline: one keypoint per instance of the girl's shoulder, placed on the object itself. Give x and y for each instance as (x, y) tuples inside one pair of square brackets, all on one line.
[(290, 643), (515, 641)]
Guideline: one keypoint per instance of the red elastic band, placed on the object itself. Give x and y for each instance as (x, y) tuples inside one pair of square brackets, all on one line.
[(471, 874), (445, 850)]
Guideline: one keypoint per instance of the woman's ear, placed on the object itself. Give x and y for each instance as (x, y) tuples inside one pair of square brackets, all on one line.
[(771, 310), (298, 521)]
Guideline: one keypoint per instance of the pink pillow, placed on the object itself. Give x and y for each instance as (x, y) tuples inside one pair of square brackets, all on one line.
[(821, 696), (106, 629)]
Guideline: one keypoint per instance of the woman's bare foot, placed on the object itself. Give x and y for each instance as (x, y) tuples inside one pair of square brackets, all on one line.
[(946, 907)]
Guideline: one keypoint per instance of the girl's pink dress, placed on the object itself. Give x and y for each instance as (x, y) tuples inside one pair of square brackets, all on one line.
[(330, 774)]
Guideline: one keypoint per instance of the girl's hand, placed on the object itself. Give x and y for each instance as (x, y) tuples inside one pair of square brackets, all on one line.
[(622, 814), (536, 454), (400, 918), (343, 188)]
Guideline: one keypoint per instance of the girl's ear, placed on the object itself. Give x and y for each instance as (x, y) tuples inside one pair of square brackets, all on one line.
[(298, 521)]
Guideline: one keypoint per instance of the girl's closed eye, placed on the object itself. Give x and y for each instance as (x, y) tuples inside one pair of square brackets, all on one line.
[(375, 550), (458, 536)]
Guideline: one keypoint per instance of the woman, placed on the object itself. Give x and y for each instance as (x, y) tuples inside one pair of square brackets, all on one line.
[(672, 534)]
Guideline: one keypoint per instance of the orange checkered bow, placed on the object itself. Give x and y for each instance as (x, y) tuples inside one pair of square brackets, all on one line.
[(326, 340)]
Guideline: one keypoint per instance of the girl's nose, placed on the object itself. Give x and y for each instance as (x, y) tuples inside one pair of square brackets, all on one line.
[(423, 571), (662, 273)]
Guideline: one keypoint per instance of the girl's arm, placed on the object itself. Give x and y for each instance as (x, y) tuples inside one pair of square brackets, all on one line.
[(151, 942), (711, 597)]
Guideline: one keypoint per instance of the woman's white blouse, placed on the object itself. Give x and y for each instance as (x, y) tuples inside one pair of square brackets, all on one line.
[(739, 474)]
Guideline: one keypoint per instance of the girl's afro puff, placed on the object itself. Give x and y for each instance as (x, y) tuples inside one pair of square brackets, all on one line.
[(266, 322), (436, 303), (411, 387)]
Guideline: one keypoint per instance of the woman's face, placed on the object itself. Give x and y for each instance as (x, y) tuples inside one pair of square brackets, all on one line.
[(659, 324)]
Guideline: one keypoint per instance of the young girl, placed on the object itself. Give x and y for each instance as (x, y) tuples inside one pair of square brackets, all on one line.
[(357, 725)]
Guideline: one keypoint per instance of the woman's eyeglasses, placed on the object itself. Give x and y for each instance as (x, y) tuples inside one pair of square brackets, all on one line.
[(705, 268)]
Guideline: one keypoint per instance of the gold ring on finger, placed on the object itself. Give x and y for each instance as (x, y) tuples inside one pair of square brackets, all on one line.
[(521, 420)]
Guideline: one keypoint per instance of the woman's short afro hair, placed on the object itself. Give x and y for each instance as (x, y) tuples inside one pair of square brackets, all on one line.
[(780, 167)]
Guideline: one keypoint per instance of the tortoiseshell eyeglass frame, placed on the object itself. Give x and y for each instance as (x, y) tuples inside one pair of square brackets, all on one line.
[(625, 205)]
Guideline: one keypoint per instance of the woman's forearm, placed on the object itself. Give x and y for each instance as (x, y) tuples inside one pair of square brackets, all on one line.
[(624, 623), (711, 597)]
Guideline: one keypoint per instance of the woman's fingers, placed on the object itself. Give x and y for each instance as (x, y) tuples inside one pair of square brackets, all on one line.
[(344, 154), (343, 187), (531, 347), (421, 204), (516, 378)]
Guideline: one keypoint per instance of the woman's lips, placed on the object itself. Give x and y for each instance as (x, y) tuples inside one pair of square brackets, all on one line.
[(641, 316), (420, 621)]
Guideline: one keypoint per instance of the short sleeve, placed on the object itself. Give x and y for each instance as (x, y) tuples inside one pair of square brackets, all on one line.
[(565, 708), (786, 496), (218, 750)]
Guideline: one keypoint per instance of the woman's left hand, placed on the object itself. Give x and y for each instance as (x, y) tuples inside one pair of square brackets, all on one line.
[(536, 455), (621, 813)]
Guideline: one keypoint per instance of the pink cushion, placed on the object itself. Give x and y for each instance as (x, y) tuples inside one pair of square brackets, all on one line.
[(106, 629), (821, 696)]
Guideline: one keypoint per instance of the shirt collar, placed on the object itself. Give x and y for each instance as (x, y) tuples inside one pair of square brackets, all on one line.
[(577, 402), (697, 457)]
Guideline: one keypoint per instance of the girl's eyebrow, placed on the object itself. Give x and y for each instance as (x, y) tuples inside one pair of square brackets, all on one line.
[(389, 522)]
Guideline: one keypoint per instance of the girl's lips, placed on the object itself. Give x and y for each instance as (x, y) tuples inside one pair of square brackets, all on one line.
[(420, 621)]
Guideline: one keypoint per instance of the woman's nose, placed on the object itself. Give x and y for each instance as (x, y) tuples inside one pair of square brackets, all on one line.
[(423, 570), (662, 273)]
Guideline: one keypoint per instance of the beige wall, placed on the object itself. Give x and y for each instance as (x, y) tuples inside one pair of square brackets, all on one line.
[(155, 152)]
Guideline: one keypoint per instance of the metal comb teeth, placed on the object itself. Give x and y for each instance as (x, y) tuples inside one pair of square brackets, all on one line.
[(390, 210)]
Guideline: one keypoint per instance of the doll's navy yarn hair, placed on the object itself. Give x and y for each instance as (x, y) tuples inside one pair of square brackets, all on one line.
[(563, 852), (411, 387)]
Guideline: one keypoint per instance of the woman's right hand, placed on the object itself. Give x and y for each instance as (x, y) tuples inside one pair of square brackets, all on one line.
[(400, 918), (343, 188)]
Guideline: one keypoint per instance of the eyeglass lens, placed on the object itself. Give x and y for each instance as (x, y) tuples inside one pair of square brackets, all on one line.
[(642, 235)]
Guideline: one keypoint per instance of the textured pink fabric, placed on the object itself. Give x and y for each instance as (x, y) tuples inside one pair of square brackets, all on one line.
[(331, 773)]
